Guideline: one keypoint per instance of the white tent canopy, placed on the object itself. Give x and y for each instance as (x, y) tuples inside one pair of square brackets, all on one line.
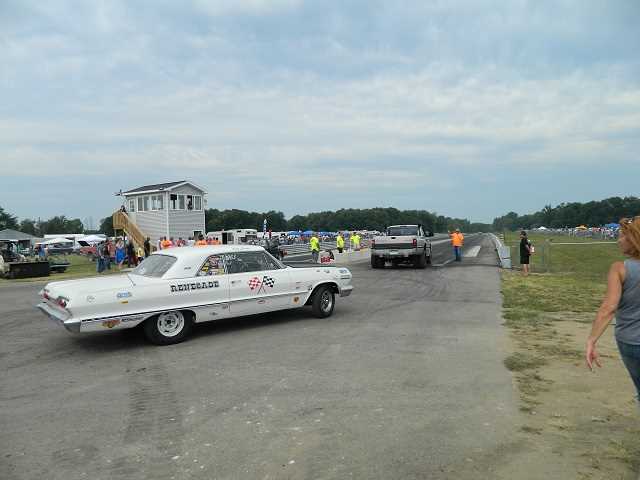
[(92, 239), (57, 240)]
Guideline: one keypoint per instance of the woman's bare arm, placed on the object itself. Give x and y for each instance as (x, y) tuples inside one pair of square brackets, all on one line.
[(607, 310)]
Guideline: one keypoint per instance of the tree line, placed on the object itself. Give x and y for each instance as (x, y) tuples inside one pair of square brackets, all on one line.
[(572, 214), (332, 221), (39, 228), (594, 213)]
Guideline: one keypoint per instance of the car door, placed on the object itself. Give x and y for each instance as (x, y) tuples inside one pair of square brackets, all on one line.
[(257, 283), (207, 292)]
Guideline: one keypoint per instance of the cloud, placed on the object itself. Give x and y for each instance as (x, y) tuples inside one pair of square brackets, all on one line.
[(292, 94)]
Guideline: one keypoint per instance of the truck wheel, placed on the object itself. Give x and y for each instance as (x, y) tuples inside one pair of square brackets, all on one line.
[(420, 261), (168, 327), (323, 302)]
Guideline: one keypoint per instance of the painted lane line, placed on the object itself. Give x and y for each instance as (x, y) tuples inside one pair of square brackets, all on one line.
[(472, 252)]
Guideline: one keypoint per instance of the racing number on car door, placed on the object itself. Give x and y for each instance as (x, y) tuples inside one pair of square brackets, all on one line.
[(256, 283)]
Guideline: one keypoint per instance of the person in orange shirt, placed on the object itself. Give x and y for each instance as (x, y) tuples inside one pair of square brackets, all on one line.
[(166, 243), (457, 240), (201, 241)]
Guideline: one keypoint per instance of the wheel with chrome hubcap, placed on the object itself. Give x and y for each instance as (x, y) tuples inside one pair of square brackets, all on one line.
[(323, 302), (168, 327)]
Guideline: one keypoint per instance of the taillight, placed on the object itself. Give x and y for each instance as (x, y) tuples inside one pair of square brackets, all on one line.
[(62, 302), (415, 243)]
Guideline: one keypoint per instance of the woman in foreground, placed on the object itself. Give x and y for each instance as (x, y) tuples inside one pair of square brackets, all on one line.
[(622, 300)]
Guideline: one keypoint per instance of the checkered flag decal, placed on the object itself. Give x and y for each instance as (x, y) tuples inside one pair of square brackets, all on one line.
[(254, 283), (268, 281)]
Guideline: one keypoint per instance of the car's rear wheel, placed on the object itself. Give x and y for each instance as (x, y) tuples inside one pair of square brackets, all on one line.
[(377, 262), (323, 302), (168, 328), (420, 261)]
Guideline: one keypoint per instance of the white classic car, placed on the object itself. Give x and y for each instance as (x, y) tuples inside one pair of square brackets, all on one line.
[(173, 289)]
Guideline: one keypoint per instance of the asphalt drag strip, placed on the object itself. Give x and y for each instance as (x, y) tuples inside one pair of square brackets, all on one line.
[(404, 381)]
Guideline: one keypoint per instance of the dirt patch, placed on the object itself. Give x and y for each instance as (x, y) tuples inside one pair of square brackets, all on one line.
[(575, 424)]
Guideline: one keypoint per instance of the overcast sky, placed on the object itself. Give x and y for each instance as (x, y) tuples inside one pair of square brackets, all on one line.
[(469, 109)]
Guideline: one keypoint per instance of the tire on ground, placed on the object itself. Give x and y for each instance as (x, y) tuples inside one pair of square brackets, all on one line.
[(420, 261), (323, 302), (156, 336)]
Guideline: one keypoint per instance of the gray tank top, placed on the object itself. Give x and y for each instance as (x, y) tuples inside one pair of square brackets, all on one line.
[(628, 316)]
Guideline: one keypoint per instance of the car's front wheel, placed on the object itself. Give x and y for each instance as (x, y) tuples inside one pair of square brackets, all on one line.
[(168, 328), (323, 302)]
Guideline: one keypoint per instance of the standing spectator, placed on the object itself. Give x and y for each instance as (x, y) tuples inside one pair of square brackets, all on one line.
[(525, 252), (132, 258), (201, 241), (622, 300), (340, 243), (100, 263), (140, 254), (106, 255), (191, 242), (120, 253), (159, 244), (314, 244), (165, 243), (352, 241), (147, 247), (356, 241), (457, 241)]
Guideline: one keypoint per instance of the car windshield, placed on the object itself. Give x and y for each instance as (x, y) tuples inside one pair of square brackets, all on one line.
[(402, 231), (154, 266)]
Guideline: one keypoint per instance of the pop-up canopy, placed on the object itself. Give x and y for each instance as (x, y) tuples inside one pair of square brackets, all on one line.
[(57, 240), (92, 239)]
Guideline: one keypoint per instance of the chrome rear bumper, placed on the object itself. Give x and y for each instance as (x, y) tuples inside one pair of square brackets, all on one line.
[(60, 318)]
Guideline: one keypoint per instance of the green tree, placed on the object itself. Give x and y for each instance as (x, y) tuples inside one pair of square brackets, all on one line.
[(29, 226), (61, 224), (106, 226), (7, 220)]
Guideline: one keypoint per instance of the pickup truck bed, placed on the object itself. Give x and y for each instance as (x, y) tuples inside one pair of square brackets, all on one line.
[(412, 246)]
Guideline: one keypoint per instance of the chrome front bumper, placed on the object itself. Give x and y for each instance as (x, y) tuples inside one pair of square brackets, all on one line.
[(60, 318), (346, 291)]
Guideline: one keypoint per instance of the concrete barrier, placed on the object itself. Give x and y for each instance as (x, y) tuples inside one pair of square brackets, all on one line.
[(352, 256), (504, 252)]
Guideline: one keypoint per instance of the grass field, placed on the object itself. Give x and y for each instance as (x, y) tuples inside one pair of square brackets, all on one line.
[(589, 258), (549, 314), (80, 266)]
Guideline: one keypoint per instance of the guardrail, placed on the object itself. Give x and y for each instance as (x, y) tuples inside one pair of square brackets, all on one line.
[(503, 252)]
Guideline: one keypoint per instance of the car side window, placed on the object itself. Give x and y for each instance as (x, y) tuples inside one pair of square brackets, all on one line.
[(245, 262), (213, 265)]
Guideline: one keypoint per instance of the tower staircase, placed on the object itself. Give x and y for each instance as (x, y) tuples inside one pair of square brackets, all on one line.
[(121, 221)]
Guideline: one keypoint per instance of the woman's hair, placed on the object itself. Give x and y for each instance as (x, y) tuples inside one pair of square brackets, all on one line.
[(631, 229)]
